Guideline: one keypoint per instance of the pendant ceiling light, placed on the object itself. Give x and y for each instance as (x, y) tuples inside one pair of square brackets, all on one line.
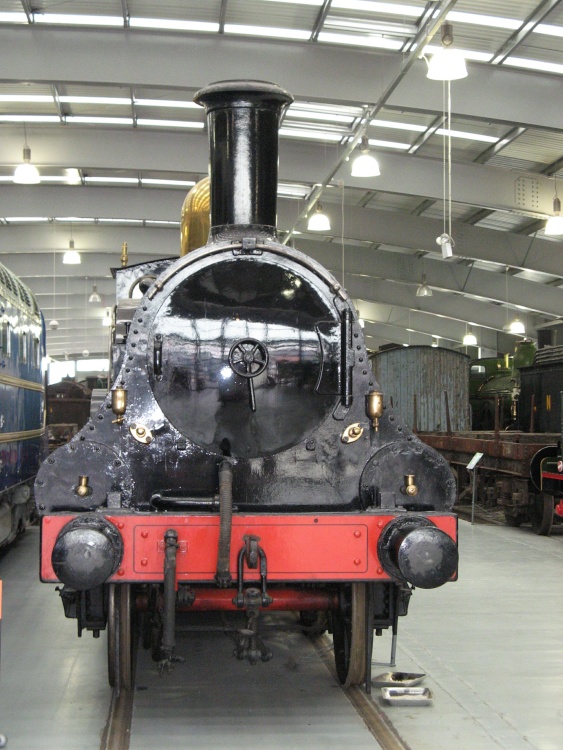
[(554, 226), (469, 339), (72, 256), (517, 327), (447, 64), (26, 173), (319, 222), (423, 288), (94, 298), (365, 165)]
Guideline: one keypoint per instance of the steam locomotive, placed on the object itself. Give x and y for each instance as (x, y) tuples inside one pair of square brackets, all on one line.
[(22, 402), (244, 458)]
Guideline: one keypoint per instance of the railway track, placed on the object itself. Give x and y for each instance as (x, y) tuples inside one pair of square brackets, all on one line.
[(117, 734)]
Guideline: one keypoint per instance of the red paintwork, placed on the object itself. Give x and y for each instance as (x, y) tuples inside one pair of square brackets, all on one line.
[(304, 547), (210, 600), (550, 475), (559, 509)]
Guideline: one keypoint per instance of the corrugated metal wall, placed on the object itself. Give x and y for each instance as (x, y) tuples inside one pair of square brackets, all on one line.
[(427, 372)]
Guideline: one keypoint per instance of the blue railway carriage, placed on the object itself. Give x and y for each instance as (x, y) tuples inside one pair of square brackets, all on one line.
[(22, 402)]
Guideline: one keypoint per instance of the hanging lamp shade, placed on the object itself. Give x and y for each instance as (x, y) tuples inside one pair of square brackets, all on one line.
[(319, 222), (423, 289), (72, 256), (365, 165), (447, 64), (554, 224), (469, 339), (517, 327), (94, 298), (26, 173)]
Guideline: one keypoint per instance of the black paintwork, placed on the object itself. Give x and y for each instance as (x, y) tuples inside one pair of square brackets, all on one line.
[(305, 376)]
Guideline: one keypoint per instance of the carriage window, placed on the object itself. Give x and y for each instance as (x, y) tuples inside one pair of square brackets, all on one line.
[(23, 347), (36, 352), (5, 342), (478, 369)]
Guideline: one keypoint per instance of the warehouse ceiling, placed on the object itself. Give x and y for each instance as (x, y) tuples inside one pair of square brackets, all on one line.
[(102, 91)]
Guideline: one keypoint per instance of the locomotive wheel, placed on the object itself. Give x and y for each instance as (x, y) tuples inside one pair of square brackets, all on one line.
[(541, 514), (120, 637), (349, 635)]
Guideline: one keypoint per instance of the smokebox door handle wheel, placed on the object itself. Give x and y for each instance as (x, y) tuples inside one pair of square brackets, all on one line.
[(349, 634), (248, 358)]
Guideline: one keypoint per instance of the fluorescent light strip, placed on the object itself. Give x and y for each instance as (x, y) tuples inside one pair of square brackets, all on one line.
[(366, 27), (13, 18), (79, 120), (30, 118), (307, 114), (165, 103), (169, 124), (398, 125), (174, 183), (360, 41), (479, 19), (388, 144), (269, 31), (549, 29), (77, 20), (25, 219), (95, 100), (30, 98), (366, 6), (65, 180), (467, 136), (315, 134), (298, 2), (120, 221), (76, 219), (161, 222), (117, 180), (173, 24), (519, 62)]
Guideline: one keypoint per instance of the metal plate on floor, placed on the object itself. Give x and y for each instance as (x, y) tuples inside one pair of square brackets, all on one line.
[(403, 696), (398, 679)]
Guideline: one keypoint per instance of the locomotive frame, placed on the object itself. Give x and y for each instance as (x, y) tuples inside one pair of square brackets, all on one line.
[(244, 459)]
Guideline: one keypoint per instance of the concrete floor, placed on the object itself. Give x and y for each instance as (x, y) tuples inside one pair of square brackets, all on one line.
[(491, 645)]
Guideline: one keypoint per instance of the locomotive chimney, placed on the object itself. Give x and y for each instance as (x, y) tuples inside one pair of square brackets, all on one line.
[(243, 119)]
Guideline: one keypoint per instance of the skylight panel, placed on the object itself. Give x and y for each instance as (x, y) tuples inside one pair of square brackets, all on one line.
[(27, 98), (467, 136), (398, 125), (13, 18), (305, 113), (173, 24), (170, 183), (165, 103), (116, 100), (83, 120), (367, 6), (169, 123), (479, 19), (77, 20), (389, 144), (269, 31), (29, 118), (547, 67), (376, 41), (549, 29), (318, 135)]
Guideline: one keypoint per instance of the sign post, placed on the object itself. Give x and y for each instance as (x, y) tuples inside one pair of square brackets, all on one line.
[(472, 466)]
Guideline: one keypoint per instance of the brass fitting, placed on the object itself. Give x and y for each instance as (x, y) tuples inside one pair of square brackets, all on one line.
[(83, 489), (374, 408), (410, 487), (119, 404), (124, 255)]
